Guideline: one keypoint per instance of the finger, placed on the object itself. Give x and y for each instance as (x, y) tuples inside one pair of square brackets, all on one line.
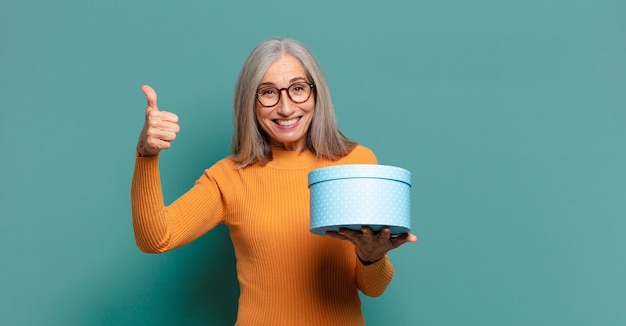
[(169, 126), (151, 97), (160, 134), (380, 237), (384, 234), (168, 116), (157, 123), (408, 236), (160, 117), (155, 116), (350, 233), (334, 234), (367, 231), (337, 235), (167, 136), (402, 239), (158, 144)]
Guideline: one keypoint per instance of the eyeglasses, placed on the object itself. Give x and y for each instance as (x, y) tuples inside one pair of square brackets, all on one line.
[(298, 92)]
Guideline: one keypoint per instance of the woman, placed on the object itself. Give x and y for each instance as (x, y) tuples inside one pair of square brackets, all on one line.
[(284, 128)]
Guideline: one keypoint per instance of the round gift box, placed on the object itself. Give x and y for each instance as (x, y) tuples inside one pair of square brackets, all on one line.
[(356, 195)]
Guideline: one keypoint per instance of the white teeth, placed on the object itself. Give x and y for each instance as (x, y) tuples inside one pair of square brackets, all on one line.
[(287, 122)]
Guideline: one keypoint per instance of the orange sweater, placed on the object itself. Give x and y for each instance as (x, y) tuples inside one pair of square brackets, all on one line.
[(287, 275)]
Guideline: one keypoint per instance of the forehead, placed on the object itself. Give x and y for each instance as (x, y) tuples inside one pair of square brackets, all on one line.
[(284, 70)]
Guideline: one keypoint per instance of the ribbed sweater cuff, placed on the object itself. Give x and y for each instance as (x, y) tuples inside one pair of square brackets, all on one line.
[(376, 276)]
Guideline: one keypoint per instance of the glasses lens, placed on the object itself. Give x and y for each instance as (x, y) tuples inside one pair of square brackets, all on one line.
[(299, 92), (268, 96)]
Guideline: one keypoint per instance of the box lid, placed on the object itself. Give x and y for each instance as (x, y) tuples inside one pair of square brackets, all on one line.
[(347, 171)]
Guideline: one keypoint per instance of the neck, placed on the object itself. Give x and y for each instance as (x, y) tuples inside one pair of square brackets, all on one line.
[(293, 146)]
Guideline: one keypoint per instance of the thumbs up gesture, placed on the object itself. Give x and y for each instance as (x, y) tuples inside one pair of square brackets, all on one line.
[(160, 128)]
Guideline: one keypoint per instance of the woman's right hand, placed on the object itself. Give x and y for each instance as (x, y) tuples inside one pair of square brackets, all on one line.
[(160, 128)]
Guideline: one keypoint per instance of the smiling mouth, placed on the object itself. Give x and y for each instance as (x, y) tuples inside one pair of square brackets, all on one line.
[(287, 123)]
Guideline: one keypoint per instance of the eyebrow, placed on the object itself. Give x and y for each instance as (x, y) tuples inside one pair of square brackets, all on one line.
[(291, 81)]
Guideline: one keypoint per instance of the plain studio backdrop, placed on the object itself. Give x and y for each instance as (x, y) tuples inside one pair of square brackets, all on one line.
[(511, 116)]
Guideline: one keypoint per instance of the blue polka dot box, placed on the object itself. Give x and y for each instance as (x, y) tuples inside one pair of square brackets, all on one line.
[(356, 195)]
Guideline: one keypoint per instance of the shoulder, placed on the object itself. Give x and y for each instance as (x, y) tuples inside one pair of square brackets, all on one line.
[(360, 155), (222, 168)]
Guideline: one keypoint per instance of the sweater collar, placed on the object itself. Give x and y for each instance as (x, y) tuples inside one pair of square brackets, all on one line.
[(291, 160)]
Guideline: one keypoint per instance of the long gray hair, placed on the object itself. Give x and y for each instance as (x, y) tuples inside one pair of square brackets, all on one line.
[(250, 142)]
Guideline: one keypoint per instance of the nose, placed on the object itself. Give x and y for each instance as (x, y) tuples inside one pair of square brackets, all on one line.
[(284, 106)]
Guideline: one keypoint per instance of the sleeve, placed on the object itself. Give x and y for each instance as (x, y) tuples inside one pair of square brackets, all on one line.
[(373, 279), (159, 228)]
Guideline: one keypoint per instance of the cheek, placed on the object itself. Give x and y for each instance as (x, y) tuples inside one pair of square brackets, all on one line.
[(311, 109), (261, 120), (258, 114)]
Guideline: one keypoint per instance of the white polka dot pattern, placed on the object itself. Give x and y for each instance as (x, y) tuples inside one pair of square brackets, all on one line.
[(360, 194)]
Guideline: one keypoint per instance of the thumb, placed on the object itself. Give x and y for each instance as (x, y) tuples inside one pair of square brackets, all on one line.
[(151, 97)]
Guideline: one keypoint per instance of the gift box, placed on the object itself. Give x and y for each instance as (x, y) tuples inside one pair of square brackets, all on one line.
[(356, 195)]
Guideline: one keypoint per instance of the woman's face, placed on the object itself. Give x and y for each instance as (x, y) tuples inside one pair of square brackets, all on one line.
[(286, 123)]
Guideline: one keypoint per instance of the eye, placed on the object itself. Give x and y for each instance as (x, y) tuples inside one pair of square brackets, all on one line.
[(267, 91), (298, 88)]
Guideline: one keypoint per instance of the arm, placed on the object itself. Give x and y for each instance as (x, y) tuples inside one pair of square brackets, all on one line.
[(148, 208), (159, 228), (374, 271)]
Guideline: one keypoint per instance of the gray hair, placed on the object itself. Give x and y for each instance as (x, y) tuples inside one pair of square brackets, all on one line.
[(250, 143)]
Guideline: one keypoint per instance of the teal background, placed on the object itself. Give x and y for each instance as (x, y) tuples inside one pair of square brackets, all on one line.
[(510, 114)]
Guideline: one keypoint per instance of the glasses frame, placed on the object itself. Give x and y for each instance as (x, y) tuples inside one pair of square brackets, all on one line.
[(280, 93)]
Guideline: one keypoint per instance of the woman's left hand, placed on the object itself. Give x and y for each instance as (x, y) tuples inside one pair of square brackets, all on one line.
[(372, 246)]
